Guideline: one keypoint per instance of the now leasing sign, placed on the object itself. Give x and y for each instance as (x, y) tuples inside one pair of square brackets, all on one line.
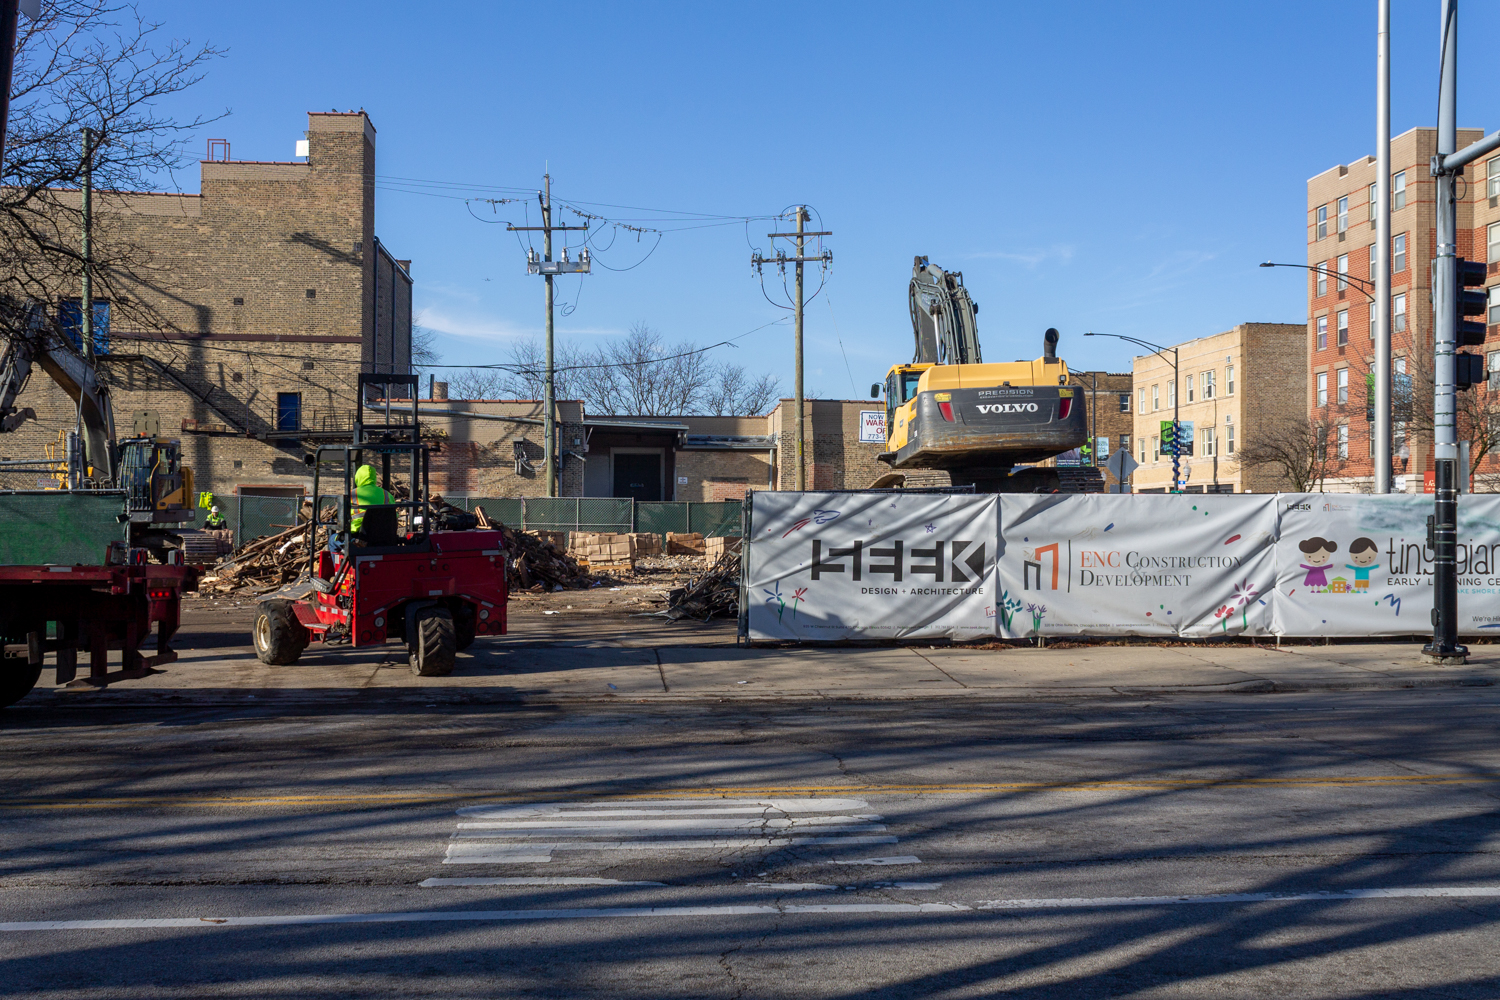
[(862, 565)]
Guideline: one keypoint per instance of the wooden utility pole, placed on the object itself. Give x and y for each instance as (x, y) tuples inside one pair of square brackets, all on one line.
[(86, 301)]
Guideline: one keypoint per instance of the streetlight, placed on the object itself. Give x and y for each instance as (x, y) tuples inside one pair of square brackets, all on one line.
[(1176, 400), (1342, 276)]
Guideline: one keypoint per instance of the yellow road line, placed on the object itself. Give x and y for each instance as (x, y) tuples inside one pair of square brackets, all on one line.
[(399, 799)]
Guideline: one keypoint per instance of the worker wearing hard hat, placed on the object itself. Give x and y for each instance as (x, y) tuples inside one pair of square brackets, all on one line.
[(367, 493), (214, 520)]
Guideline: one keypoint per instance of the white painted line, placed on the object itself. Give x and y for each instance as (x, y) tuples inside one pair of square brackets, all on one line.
[(904, 859), (1335, 895), (575, 821), (441, 883), (661, 828), (917, 886), (499, 859), (525, 849), (664, 807), (783, 886), (600, 913)]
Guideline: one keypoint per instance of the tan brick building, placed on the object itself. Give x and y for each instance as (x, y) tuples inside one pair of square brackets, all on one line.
[(1341, 239), (258, 302), (1229, 387), (1111, 423)]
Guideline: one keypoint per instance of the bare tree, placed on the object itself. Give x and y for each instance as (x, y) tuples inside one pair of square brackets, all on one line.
[(477, 383), (526, 374), (737, 392), (1478, 411), (98, 65), (1302, 450)]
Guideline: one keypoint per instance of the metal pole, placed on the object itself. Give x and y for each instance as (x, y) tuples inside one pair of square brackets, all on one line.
[(549, 403), (1382, 331), (1444, 645), (801, 479), (1176, 427), (86, 304), (8, 31)]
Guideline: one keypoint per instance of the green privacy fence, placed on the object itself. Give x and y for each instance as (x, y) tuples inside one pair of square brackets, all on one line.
[(61, 528), (253, 517)]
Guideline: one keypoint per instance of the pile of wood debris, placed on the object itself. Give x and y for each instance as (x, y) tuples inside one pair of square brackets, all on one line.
[(714, 594), (264, 565)]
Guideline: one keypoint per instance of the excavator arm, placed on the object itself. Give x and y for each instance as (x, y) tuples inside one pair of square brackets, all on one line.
[(942, 316)]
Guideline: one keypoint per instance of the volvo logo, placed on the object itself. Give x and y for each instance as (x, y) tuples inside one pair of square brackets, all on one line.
[(1007, 407)]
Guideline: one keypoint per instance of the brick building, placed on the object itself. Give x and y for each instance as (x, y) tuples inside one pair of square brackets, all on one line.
[(1228, 387), (1340, 331), (258, 302), (1111, 423)]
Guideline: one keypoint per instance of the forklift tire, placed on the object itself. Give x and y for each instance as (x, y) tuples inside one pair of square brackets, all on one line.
[(17, 678), (279, 637), (432, 648)]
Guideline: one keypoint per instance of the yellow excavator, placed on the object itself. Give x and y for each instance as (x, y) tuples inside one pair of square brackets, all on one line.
[(948, 412)]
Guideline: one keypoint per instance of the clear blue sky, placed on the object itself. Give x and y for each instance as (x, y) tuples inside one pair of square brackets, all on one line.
[(1091, 166)]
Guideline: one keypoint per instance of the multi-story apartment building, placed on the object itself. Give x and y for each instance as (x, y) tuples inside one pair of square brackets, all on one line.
[(1340, 329), (1227, 388)]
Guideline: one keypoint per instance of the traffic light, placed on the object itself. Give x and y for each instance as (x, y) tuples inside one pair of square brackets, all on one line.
[(1471, 273), (1468, 370)]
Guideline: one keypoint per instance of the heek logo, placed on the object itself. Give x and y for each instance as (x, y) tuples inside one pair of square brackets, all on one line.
[(1299, 506), (1006, 407), (949, 562)]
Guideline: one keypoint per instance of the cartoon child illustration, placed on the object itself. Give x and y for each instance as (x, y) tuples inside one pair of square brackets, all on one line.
[(1317, 551), (1362, 555)]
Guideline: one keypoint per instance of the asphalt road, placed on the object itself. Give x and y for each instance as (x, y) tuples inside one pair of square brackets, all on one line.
[(1312, 845)]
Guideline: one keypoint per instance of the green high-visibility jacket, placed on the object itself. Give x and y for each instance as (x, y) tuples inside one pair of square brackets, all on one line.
[(367, 493)]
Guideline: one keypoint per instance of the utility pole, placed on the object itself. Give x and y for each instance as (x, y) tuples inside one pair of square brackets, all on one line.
[(549, 268), (1447, 301), (781, 259), (86, 303), (1382, 428)]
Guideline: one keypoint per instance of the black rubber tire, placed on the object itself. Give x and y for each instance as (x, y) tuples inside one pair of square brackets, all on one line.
[(432, 649), (463, 628), (17, 678), (279, 637)]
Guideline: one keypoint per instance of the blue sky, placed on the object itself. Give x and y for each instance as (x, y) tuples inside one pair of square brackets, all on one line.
[(1089, 166)]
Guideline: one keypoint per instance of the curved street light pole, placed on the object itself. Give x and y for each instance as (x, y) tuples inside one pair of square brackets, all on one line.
[(1343, 276), (1176, 400)]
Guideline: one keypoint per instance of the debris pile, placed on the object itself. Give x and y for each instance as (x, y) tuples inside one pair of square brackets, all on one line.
[(534, 563), (264, 565), (684, 543), (714, 594)]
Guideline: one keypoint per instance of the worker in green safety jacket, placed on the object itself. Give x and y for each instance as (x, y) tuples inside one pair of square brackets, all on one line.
[(367, 493)]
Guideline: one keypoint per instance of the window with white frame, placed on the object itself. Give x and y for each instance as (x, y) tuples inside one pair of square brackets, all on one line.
[(1343, 440), (1492, 187), (1125, 443), (1344, 214), (1208, 385), (1143, 451), (1322, 222), (1124, 402), (1398, 192), (1400, 366), (1172, 393), (1494, 316), (1371, 252), (1322, 389), (1398, 313), (1155, 397), (1372, 319), (1343, 268), (1492, 365), (1398, 254), (1343, 327), (1206, 435), (1322, 323), (1494, 240), (1155, 448), (1374, 202), (1343, 385), (1228, 435), (1188, 385), (1320, 277)]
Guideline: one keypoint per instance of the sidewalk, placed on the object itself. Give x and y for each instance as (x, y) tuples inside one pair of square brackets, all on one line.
[(589, 655)]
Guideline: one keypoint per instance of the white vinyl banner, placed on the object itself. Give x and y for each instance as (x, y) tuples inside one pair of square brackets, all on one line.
[(1189, 565), (871, 565), (1351, 565)]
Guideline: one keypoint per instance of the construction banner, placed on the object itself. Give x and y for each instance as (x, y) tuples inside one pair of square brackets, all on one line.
[(1351, 565), (1096, 564), (826, 566)]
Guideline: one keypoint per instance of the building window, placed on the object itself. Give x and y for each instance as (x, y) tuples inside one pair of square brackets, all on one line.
[(1125, 444), (1228, 435), (1321, 277), (70, 319), (1398, 313), (1229, 380), (1494, 236), (1155, 397), (1155, 448), (1492, 368), (1208, 385), (1188, 385), (1343, 270), (1343, 381), (1343, 440), (1141, 403), (1398, 192), (1322, 333), (1172, 393), (1143, 451), (1124, 402), (1492, 188), (1206, 435), (1495, 304), (1343, 327), (1344, 214), (1371, 252), (1372, 319), (289, 411), (1374, 202), (1398, 255), (1322, 389), (1322, 222)]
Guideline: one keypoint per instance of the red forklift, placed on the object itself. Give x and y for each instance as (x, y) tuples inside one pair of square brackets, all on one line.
[(434, 583)]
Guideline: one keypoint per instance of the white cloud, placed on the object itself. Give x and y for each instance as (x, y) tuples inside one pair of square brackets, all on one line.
[(1062, 252), (470, 326)]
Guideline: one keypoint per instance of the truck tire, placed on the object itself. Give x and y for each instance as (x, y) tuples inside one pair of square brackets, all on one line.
[(279, 637), (17, 678), (432, 648)]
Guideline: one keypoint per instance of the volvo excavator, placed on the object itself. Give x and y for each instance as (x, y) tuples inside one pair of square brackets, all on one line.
[(149, 469), (951, 415)]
